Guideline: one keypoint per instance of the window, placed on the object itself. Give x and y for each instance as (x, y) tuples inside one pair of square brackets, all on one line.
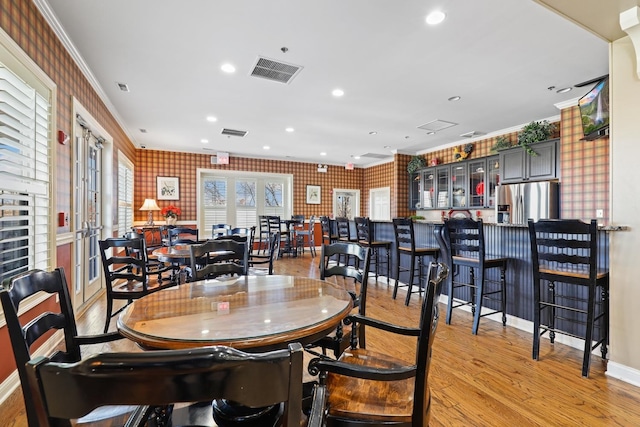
[(125, 194), (25, 172), (253, 195)]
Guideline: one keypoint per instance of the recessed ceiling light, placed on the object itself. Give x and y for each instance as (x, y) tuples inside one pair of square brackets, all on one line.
[(228, 68), (431, 133), (123, 87), (387, 146), (212, 119), (266, 147), (373, 132), (406, 137), (204, 141), (143, 130), (356, 157), (289, 129), (454, 98), (435, 17), (323, 154), (564, 90), (337, 92)]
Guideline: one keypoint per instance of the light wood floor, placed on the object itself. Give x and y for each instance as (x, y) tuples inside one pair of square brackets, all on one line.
[(484, 380)]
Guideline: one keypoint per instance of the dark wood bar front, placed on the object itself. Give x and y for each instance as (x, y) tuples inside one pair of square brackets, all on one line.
[(509, 241)]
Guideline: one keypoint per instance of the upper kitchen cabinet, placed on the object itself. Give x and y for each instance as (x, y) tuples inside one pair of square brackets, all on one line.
[(415, 187), (517, 165)]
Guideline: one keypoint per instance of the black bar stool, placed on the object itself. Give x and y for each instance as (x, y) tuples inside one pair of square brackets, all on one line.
[(366, 238), (406, 245), (466, 248), (565, 256)]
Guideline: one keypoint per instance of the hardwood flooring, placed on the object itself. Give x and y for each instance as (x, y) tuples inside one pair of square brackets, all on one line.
[(484, 380)]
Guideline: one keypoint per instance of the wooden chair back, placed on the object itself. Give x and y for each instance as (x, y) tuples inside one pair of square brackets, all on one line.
[(268, 258), (182, 236), (343, 228), (68, 391), (218, 257), (218, 230), (23, 335), (464, 238), (358, 388), (404, 233), (364, 229)]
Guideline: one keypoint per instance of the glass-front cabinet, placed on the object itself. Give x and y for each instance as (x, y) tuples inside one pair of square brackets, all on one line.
[(468, 184)]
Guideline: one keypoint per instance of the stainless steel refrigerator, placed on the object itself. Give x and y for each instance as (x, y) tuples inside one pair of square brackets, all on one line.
[(516, 203)]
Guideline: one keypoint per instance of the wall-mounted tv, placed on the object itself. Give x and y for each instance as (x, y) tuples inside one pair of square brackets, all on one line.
[(594, 109)]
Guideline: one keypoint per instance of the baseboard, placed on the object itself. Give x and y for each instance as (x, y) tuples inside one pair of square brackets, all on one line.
[(11, 383), (623, 373)]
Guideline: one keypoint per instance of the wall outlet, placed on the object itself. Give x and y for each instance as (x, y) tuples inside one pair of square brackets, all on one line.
[(599, 213)]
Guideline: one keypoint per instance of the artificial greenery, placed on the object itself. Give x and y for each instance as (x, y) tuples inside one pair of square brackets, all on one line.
[(416, 163), (502, 143), (416, 217), (535, 132)]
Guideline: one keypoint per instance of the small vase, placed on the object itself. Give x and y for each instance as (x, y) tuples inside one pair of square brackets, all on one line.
[(171, 220)]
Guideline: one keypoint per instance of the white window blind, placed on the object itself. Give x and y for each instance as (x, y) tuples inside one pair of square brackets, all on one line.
[(24, 176), (125, 194), (251, 195)]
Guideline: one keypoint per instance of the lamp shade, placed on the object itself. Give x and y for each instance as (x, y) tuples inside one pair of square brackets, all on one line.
[(149, 205)]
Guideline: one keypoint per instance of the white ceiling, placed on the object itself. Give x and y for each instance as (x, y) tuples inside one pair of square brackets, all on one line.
[(397, 72)]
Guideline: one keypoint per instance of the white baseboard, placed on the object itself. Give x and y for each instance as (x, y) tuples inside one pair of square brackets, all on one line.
[(623, 373), (12, 382)]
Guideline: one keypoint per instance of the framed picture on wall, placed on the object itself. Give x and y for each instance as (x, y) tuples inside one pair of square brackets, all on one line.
[(168, 188), (313, 194)]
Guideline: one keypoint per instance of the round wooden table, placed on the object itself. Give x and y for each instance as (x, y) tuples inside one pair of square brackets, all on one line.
[(250, 313)]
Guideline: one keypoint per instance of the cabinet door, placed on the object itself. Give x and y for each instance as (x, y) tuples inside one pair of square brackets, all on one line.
[(512, 162), (543, 165), (459, 186), (442, 187), (414, 190), (477, 184), (493, 179), (428, 189)]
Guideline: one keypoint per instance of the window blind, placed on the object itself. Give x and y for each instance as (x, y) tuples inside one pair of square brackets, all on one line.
[(24, 176), (125, 195)]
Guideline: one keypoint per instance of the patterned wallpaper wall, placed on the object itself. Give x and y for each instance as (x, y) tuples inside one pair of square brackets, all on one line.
[(152, 163)]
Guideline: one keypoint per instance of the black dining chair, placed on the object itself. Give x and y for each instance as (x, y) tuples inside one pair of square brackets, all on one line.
[(262, 263), (218, 257), (366, 237), (154, 266), (565, 259), (125, 271), (66, 391), (354, 279), (23, 334), (302, 233), (218, 230), (182, 236), (365, 387)]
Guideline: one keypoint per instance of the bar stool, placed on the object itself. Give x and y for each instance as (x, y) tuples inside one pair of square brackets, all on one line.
[(565, 255), (328, 235), (466, 248), (367, 239), (343, 227), (406, 245)]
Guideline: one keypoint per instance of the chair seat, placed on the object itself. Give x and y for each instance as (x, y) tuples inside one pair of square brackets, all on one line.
[(488, 262), (583, 275), (420, 251), (375, 243), (374, 400)]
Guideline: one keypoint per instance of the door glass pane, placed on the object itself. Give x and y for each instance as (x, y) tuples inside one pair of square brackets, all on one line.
[(458, 186), (443, 187), (493, 166), (428, 195), (476, 183)]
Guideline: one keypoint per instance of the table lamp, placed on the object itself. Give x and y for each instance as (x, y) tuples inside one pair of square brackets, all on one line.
[(150, 205)]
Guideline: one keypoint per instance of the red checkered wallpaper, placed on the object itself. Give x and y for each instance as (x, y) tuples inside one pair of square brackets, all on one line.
[(151, 164)]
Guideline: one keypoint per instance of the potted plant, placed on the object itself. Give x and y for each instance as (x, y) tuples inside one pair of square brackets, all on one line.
[(416, 163), (170, 213), (502, 143), (535, 132)]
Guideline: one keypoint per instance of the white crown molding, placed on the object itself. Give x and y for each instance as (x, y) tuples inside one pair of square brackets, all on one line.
[(46, 11), (567, 104), (630, 24)]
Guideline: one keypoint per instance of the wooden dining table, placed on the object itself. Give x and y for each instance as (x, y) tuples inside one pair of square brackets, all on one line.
[(250, 313)]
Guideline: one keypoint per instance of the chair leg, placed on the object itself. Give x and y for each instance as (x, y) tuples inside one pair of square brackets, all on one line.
[(450, 303), (588, 337), (395, 288), (478, 303), (552, 312), (388, 251), (411, 276), (503, 294), (605, 321), (109, 309), (536, 320)]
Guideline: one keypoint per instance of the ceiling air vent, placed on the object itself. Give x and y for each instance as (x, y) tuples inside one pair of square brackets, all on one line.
[(472, 134), (274, 70), (436, 125), (375, 155), (234, 132)]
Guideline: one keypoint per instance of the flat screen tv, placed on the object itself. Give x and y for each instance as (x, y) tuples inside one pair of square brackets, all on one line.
[(594, 109)]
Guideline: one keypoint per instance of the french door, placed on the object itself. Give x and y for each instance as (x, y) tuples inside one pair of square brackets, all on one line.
[(87, 217)]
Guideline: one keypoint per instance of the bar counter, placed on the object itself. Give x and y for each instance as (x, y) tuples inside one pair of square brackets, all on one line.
[(504, 240)]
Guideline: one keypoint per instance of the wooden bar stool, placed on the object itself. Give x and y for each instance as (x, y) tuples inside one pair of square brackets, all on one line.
[(565, 256), (367, 239), (466, 248), (406, 245)]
